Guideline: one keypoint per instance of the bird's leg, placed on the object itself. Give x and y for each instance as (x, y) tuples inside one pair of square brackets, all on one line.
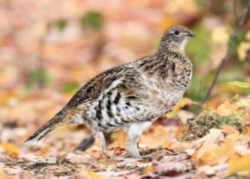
[(85, 143), (102, 138), (133, 133)]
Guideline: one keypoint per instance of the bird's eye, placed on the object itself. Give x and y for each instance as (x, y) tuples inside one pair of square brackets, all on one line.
[(176, 32)]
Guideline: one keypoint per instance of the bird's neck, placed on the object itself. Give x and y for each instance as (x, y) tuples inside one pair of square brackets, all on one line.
[(165, 48), (166, 64), (173, 45)]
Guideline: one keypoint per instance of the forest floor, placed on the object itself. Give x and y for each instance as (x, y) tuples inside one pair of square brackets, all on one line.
[(216, 144)]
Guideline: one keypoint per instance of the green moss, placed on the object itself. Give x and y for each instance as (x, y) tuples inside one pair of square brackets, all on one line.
[(201, 125), (232, 120), (92, 19), (207, 120)]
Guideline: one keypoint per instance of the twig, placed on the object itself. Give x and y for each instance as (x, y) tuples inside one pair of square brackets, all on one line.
[(233, 38)]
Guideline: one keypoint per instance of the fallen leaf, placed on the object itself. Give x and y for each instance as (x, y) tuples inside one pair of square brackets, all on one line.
[(148, 170), (155, 132), (238, 165), (94, 175), (227, 109), (183, 102), (11, 149)]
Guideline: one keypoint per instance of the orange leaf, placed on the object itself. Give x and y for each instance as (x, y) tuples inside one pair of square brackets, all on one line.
[(183, 102), (238, 165), (12, 150), (148, 170)]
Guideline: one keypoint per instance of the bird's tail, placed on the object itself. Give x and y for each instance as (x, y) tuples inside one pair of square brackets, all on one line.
[(55, 122)]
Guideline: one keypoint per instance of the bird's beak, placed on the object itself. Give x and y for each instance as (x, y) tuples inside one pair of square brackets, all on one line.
[(190, 34)]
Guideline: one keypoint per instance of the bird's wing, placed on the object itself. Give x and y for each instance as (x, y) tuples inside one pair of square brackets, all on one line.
[(104, 81)]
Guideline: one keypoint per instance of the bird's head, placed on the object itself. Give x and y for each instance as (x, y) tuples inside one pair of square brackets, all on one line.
[(176, 37)]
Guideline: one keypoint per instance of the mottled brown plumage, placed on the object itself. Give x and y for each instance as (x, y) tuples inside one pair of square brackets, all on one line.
[(130, 96)]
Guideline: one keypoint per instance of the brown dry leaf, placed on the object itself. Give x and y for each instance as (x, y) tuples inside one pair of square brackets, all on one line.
[(11, 149), (238, 165)]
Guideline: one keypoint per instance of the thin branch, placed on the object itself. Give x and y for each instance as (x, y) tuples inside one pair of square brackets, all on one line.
[(233, 38)]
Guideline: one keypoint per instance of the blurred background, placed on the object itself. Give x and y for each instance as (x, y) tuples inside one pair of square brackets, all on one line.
[(48, 49)]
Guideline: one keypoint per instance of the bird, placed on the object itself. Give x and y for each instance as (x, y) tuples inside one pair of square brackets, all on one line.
[(130, 96)]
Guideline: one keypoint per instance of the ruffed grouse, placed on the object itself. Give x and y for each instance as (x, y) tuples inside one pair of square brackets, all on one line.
[(130, 96)]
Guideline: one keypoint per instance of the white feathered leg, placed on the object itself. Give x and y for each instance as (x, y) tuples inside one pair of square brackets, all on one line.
[(133, 133)]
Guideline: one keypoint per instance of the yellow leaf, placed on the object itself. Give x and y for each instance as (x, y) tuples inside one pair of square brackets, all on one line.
[(239, 165), (94, 175), (240, 84), (12, 150)]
